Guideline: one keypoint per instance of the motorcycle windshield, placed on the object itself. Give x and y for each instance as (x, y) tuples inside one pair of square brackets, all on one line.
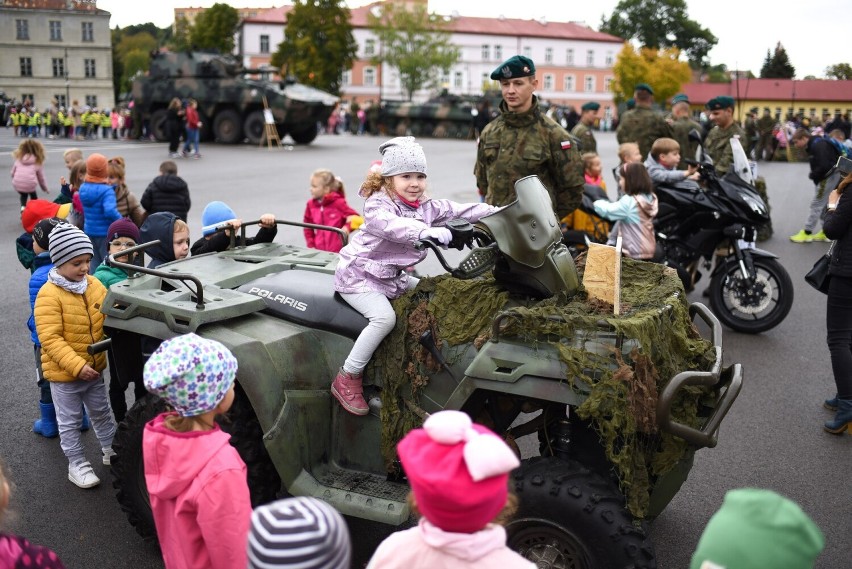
[(742, 168)]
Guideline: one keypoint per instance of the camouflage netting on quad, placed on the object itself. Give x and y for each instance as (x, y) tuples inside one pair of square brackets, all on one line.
[(624, 387)]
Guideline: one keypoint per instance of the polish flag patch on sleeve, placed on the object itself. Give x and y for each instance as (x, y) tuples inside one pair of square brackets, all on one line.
[(566, 144)]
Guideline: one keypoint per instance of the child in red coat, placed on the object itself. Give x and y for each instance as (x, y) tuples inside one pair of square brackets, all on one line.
[(327, 206)]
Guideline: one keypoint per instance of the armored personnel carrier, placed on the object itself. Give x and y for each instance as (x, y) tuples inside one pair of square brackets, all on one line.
[(230, 100), (615, 406)]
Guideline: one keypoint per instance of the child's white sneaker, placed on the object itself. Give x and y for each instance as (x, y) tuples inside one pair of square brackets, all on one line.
[(108, 454), (81, 474)]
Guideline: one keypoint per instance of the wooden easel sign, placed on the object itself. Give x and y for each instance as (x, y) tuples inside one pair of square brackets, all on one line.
[(602, 277), (270, 131)]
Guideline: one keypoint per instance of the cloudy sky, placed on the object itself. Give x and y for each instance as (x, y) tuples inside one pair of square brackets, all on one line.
[(746, 29)]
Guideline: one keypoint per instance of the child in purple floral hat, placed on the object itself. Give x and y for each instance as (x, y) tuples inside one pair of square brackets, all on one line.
[(189, 464)]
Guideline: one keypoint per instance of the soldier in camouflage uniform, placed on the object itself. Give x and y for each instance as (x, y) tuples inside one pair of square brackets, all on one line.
[(765, 139), (583, 130), (717, 144), (682, 124), (750, 128), (522, 141), (642, 125)]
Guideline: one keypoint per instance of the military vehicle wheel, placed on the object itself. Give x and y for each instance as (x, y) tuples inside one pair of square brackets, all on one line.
[(228, 127), (254, 127), (304, 136), (572, 518), (128, 471), (158, 125)]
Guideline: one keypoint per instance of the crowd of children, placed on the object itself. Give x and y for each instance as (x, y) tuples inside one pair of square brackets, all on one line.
[(74, 122), (458, 471)]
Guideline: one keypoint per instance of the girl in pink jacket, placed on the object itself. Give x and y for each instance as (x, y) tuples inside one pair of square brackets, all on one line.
[(195, 478), (27, 171), (459, 476), (327, 206), (371, 269)]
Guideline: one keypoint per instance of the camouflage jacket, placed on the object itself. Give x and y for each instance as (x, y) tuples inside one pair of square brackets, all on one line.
[(765, 124), (585, 137), (717, 145), (680, 132), (642, 126), (516, 145), (750, 127)]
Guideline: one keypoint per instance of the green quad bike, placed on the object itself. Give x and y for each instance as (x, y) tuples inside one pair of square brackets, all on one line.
[(619, 404)]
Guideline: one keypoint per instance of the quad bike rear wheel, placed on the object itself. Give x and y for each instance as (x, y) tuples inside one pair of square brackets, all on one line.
[(572, 518), (128, 472)]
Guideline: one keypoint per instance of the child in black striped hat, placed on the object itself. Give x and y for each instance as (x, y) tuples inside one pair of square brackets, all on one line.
[(299, 532)]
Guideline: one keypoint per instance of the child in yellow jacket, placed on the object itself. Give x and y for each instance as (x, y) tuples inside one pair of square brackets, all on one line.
[(68, 319)]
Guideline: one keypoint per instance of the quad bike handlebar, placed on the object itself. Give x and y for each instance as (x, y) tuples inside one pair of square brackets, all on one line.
[(479, 261)]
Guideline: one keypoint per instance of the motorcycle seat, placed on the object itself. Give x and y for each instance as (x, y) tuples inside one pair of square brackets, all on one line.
[(307, 298)]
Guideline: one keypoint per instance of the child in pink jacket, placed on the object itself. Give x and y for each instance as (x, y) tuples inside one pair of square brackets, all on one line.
[(28, 170), (327, 206), (459, 476), (196, 479)]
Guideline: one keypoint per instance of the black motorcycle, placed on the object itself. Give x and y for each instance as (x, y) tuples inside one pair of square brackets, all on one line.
[(714, 227)]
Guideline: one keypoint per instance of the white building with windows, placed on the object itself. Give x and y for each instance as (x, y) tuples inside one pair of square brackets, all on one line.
[(573, 62), (56, 50)]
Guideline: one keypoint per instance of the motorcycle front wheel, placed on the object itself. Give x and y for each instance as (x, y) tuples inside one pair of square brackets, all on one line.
[(753, 305)]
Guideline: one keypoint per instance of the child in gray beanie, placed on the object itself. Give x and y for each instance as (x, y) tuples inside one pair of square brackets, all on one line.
[(397, 214), (66, 325)]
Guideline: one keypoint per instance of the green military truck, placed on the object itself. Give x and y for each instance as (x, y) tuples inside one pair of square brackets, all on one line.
[(609, 409), (230, 100)]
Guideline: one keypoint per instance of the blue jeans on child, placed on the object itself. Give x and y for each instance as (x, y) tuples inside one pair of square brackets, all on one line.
[(191, 140)]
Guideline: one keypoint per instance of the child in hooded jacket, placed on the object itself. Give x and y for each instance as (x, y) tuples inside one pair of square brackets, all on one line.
[(633, 213), (28, 170), (195, 478), (327, 206), (167, 192), (371, 270), (126, 201), (459, 476), (172, 234)]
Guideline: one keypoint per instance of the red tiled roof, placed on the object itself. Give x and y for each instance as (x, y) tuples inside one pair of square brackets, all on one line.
[(466, 25), (271, 16), (771, 90)]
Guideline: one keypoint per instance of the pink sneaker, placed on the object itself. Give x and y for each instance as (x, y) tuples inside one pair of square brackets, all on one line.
[(348, 390)]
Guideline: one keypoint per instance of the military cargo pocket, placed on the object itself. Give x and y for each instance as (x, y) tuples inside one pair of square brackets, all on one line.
[(490, 152), (533, 156)]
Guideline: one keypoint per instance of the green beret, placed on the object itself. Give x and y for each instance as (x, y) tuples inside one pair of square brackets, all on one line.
[(591, 106), (753, 110), (720, 102), (644, 87), (680, 98), (631, 103), (515, 66)]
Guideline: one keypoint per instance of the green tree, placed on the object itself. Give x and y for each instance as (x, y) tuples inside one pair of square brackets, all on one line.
[(658, 24), (214, 28), (840, 71), (415, 42), (717, 74), (660, 68), (318, 43), (180, 40), (777, 66), (131, 53)]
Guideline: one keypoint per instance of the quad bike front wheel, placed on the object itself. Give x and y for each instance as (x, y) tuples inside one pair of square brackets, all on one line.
[(572, 518), (128, 471)]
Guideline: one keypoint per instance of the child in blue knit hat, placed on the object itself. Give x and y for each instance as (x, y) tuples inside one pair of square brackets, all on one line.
[(195, 478), (218, 215)]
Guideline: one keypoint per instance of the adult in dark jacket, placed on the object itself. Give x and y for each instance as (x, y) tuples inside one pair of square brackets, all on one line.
[(174, 126), (837, 225), (823, 154), (167, 192)]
